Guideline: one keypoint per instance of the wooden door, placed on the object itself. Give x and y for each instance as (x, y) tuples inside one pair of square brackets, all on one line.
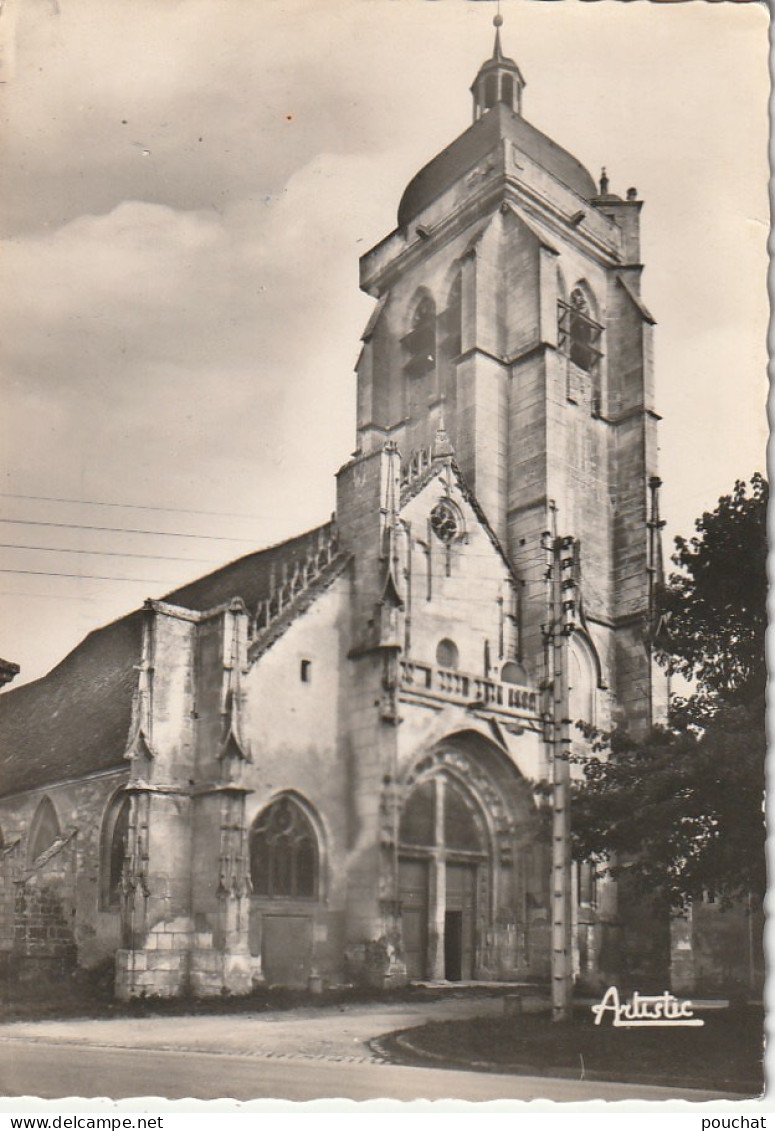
[(413, 894), (286, 949)]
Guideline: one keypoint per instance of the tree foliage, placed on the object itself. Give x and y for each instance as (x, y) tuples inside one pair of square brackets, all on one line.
[(681, 810), (715, 608)]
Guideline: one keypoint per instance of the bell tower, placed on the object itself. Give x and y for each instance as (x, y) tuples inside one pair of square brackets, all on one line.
[(508, 309)]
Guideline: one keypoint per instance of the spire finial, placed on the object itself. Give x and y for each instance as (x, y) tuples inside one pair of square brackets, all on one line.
[(497, 23), (442, 447), (499, 81)]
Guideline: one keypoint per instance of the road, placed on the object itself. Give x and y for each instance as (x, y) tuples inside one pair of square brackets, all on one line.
[(297, 1054), (55, 1071)]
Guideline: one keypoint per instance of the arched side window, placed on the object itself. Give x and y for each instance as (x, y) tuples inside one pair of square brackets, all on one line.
[(582, 681), (512, 672), (579, 334), (44, 829), (284, 857), (447, 655), (420, 343), (115, 835)]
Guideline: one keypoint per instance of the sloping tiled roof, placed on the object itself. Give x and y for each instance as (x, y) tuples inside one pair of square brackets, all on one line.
[(75, 720)]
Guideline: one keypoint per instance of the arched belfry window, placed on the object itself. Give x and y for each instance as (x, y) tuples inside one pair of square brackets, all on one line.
[(579, 334), (450, 341), (284, 857), (452, 318), (44, 829), (420, 343), (115, 836), (490, 91), (507, 90)]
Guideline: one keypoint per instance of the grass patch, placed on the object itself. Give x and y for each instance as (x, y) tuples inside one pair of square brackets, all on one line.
[(724, 1055)]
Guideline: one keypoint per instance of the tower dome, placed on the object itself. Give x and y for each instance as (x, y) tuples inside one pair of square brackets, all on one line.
[(497, 92)]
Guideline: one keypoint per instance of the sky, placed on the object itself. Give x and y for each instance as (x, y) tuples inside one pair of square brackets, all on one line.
[(186, 190)]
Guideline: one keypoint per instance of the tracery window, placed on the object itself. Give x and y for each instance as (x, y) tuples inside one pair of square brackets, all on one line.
[(44, 829), (458, 830), (284, 852), (420, 342), (579, 334)]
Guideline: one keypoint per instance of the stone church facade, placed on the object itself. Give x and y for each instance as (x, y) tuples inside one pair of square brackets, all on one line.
[(329, 760)]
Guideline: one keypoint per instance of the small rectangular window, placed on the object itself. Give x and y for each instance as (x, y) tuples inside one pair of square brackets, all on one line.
[(305, 671)]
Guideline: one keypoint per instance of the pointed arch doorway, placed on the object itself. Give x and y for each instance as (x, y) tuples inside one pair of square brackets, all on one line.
[(443, 873)]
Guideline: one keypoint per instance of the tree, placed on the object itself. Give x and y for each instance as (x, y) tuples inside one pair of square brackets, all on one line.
[(715, 609), (681, 810)]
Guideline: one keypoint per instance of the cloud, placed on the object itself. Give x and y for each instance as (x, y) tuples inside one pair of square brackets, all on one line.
[(234, 331), (166, 103)]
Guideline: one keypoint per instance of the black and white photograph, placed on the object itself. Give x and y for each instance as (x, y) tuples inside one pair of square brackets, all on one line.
[(383, 555)]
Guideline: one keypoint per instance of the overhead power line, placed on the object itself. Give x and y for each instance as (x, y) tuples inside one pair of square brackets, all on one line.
[(108, 553), (124, 530), (89, 576), (90, 598), (129, 506)]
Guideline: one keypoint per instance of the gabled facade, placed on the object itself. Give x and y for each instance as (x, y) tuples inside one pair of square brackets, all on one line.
[(331, 759)]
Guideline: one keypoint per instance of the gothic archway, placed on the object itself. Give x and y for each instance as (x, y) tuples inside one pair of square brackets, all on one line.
[(465, 888)]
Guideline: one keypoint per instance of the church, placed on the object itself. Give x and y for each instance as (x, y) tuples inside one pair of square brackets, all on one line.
[(344, 758)]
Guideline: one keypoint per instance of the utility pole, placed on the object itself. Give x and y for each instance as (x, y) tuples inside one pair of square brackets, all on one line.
[(561, 570)]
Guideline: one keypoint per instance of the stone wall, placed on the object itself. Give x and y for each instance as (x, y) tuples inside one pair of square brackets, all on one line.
[(53, 907)]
